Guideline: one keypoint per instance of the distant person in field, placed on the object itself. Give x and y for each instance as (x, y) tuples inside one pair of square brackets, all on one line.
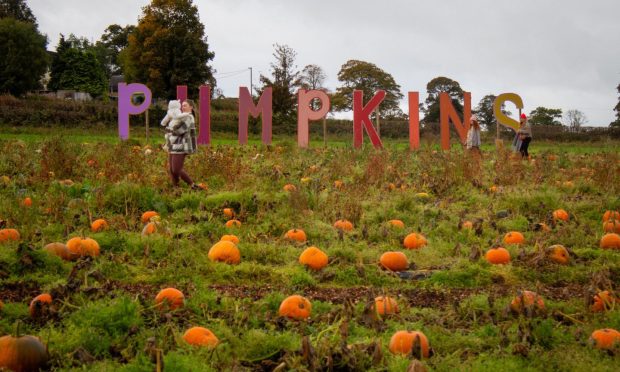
[(180, 141), (525, 136), (472, 145)]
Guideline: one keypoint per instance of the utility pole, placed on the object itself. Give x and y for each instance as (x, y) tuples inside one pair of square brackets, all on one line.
[(251, 90)]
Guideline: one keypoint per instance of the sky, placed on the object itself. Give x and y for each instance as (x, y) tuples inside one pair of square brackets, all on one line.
[(555, 54)]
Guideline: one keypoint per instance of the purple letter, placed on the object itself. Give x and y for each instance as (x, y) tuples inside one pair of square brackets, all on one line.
[(126, 108)]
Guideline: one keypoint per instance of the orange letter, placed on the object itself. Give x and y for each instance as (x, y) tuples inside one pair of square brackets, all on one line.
[(305, 113), (414, 120), (448, 113)]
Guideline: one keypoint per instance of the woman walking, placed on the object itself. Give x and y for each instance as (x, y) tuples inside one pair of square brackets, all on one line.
[(525, 135)]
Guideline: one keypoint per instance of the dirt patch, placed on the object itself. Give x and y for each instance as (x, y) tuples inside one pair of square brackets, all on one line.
[(19, 291)]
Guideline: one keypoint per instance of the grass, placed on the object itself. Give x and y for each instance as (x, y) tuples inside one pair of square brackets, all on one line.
[(103, 316)]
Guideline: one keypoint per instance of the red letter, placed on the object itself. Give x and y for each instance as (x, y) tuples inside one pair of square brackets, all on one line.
[(448, 113), (414, 120), (246, 106), (305, 113), (361, 115)]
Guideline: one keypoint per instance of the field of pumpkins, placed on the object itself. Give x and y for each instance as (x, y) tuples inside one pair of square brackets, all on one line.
[(318, 259)]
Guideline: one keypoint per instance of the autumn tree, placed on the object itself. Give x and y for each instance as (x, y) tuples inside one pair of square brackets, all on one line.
[(24, 56), (616, 123), (434, 87), (484, 112), (313, 78), (284, 80), (168, 48), (575, 119), (18, 10), (369, 78), (545, 116)]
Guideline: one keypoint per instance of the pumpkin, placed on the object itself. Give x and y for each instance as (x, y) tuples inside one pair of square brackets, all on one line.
[(146, 216), (414, 241), (610, 241), (493, 189), (289, 187), (99, 225), (611, 226), (39, 304), (25, 353), (306, 180), (295, 307), (344, 225), (611, 215), (8, 234), (233, 223), (60, 250), (542, 227), (230, 238), (397, 224), (558, 254), (338, 184), (467, 225), (406, 342), (297, 235), (385, 305), (394, 261), (229, 212), (605, 339), (149, 228), (169, 298), (514, 237), (225, 251), (560, 215), (199, 336), (83, 247), (314, 258), (603, 301), (422, 195), (497, 256), (27, 202), (527, 300)]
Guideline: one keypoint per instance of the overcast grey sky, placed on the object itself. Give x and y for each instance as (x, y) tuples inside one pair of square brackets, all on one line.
[(556, 54)]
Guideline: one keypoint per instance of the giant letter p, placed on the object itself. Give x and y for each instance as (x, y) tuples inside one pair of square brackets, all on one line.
[(126, 107)]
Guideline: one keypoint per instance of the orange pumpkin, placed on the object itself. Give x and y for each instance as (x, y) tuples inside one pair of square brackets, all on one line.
[(297, 235), (146, 216), (497, 256), (558, 254), (27, 202), (225, 251), (560, 215), (39, 304), (603, 301), (338, 184), (386, 305), (149, 228), (60, 250), (169, 298), (199, 336), (343, 225), (228, 212), (406, 342), (394, 261), (314, 258), (493, 189), (26, 353), (295, 307), (233, 223), (397, 224), (525, 300), (414, 241), (289, 187), (514, 237), (611, 215), (468, 225), (230, 238), (83, 247), (610, 241), (99, 225), (8, 234), (605, 339), (611, 226)]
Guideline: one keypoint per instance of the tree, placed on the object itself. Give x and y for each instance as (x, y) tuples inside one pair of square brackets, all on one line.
[(284, 81), (24, 56), (575, 120), (17, 9), (168, 48), (113, 41), (616, 123), (545, 116), (312, 78), (434, 88), (485, 114), (369, 78)]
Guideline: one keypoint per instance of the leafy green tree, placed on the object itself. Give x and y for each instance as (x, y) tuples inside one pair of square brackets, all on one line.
[(168, 48), (545, 116), (285, 79), (113, 41), (433, 89), (485, 114), (616, 123), (24, 56), (17, 9), (369, 78)]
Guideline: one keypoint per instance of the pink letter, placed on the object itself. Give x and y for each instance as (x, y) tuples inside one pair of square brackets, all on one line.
[(361, 115), (305, 113), (204, 131), (246, 106), (181, 93), (414, 120), (448, 113), (126, 107)]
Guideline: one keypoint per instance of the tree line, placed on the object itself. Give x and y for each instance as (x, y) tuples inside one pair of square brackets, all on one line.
[(169, 47)]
